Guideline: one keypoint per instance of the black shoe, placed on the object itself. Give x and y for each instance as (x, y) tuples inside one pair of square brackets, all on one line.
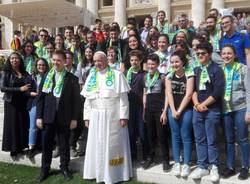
[(43, 176), (13, 153), (243, 174), (166, 166), (31, 153), (148, 163), (227, 172), (66, 174)]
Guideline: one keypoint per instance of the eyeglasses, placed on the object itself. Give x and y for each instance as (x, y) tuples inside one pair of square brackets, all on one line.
[(201, 53)]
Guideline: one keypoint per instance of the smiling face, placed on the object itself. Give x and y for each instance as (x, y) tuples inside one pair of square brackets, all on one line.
[(176, 63), (161, 17), (88, 54), (59, 42), (162, 43), (152, 66), (227, 24), (41, 66), (133, 42), (227, 55), (58, 62), (100, 61), (111, 55)]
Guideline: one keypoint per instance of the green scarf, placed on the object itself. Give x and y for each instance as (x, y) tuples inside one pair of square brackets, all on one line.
[(40, 49), (130, 72), (77, 56), (188, 70), (215, 40), (93, 83), (29, 62), (163, 29), (150, 82), (48, 83), (162, 56), (204, 76), (229, 72)]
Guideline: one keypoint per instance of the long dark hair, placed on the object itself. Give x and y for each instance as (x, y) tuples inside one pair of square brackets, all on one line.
[(84, 61), (8, 67), (35, 72), (33, 52)]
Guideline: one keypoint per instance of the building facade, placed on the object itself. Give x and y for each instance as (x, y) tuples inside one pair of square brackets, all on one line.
[(119, 10)]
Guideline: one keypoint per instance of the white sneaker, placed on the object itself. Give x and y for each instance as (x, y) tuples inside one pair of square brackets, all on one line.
[(214, 174), (176, 170), (185, 171), (198, 173)]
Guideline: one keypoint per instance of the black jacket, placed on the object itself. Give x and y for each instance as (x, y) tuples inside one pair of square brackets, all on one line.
[(69, 103), (7, 85)]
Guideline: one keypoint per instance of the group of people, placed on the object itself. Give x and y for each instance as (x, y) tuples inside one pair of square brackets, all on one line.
[(130, 87)]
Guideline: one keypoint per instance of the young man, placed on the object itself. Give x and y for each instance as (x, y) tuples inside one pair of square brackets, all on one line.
[(40, 45), (240, 41), (57, 113), (68, 34), (145, 30), (207, 99)]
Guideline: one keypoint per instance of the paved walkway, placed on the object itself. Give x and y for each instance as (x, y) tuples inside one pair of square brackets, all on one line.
[(153, 175)]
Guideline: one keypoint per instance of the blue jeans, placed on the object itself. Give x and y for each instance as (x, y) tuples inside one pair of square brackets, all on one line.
[(236, 129), (181, 132), (136, 127), (33, 128), (205, 126)]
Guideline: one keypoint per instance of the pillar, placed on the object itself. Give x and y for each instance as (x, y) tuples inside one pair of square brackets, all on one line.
[(9, 27), (92, 13), (198, 11), (120, 12), (165, 5), (218, 4)]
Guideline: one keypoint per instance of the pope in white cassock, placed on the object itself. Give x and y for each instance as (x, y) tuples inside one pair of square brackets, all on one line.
[(106, 112)]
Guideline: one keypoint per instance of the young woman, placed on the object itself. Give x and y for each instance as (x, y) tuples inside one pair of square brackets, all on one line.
[(50, 48), (84, 67), (59, 42), (14, 86), (179, 88), (29, 55), (162, 52), (133, 43), (236, 108), (41, 68)]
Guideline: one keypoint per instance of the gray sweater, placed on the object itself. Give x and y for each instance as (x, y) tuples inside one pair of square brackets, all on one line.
[(240, 97)]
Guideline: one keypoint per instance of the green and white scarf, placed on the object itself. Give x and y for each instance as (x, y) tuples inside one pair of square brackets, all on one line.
[(215, 40), (204, 76), (229, 71), (150, 82), (48, 83), (165, 29), (29, 64), (77, 56), (130, 73), (162, 56), (93, 83)]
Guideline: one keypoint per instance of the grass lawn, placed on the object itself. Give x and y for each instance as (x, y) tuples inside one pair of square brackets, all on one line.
[(19, 174)]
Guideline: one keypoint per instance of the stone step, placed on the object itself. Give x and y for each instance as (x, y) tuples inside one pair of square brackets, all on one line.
[(152, 175)]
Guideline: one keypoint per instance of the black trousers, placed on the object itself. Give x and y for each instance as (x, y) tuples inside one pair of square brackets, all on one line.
[(156, 131), (48, 135)]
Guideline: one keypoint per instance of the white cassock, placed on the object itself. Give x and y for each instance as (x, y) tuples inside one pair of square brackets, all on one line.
[(107, 155)]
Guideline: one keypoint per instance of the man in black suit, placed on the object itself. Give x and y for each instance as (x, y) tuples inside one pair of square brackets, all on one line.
[(58, 109)]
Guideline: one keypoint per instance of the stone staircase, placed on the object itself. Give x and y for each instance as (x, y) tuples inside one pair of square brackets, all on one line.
[(152, 175)]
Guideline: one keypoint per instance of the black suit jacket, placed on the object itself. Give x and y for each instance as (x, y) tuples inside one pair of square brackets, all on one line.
[(69, 103)]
